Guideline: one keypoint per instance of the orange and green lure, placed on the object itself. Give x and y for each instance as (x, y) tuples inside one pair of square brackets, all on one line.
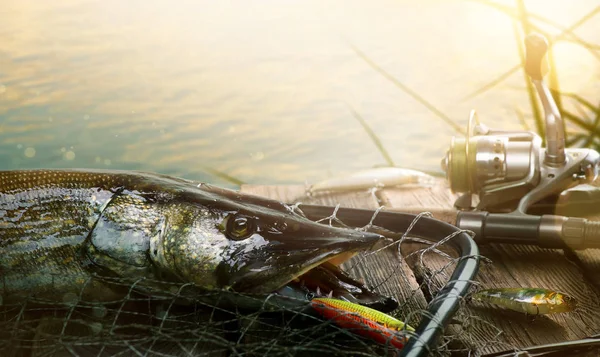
[(363, 321)]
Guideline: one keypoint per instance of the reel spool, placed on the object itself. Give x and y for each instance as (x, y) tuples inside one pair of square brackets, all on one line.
[(479, 160), (485, 162)]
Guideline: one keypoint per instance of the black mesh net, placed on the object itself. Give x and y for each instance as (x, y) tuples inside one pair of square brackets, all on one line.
[(411, 270)]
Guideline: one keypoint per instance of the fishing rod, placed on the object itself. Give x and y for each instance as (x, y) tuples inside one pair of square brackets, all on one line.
[(507, 178)]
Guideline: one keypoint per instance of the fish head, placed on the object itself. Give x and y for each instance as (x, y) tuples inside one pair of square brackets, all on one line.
[(247, 244), (564, 303), (275, 249)]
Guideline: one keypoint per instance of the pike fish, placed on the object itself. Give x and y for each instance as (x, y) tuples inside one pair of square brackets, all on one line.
[(74, 233)]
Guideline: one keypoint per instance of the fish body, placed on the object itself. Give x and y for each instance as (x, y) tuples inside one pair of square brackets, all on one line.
[(373, 178), (532, 301), (363, 321), (71, 234)]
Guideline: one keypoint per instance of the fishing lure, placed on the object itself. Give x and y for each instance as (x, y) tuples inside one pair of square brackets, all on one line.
[(363, 321), (532, 301), (373, 178)]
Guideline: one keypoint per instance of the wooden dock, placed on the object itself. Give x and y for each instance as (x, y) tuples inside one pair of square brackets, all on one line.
[(479, 328)]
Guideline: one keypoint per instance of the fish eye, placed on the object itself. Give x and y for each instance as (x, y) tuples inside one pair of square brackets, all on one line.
[(239, 227)]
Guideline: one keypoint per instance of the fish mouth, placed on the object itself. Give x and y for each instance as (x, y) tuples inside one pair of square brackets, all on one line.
[(328, 280), (323, 277), (303, 266)]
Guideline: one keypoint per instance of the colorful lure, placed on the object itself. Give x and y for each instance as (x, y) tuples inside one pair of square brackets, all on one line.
[(532, 301), (363, 321)]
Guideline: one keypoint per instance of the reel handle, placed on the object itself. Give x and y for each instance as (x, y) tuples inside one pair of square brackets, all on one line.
[(536, 47)]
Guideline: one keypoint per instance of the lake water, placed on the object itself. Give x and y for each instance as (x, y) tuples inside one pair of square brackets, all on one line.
[(260, 90)]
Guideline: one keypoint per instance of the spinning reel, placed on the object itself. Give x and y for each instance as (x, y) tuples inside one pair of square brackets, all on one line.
[(503, 174)]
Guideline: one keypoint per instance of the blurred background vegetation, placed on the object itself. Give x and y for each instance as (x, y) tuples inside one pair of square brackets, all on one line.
[(581, 115), (280, 91)]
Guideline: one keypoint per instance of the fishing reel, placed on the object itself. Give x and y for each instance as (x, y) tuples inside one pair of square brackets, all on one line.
[(512, 186), (504, 171)]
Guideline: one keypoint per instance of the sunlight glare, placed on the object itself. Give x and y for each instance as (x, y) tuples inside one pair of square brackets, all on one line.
[(575, 66)]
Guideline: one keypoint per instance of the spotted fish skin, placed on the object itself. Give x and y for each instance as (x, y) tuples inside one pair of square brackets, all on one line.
[(66, 232), (532, 301)]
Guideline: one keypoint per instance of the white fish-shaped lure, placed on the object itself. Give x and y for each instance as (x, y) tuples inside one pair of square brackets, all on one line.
[(373, 178)]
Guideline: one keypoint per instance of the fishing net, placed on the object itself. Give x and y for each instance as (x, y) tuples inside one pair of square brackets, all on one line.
[(411, 270)]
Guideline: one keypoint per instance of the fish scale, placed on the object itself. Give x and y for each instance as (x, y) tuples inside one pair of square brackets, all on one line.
[(68, 232)]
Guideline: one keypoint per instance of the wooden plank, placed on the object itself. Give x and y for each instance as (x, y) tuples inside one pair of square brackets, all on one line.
[(401, 284), (416, 201), (529, 266), (518, 266), (485, 329), (589, 260)]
